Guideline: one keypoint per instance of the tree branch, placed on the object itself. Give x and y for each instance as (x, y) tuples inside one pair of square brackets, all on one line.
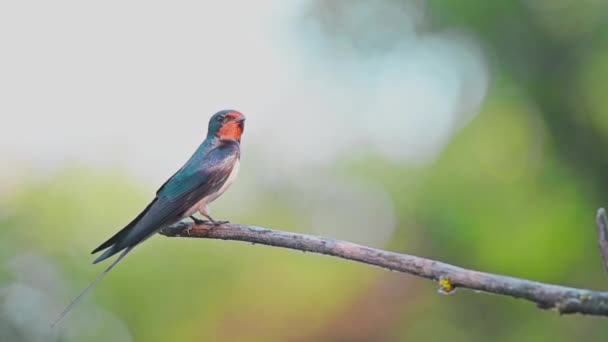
[(565, 300), (602, 234)]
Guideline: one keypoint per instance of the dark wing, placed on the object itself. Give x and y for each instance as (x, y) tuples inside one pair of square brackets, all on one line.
[(188, 186)]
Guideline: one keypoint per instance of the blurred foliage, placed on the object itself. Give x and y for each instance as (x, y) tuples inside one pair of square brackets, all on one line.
[(514, 192)]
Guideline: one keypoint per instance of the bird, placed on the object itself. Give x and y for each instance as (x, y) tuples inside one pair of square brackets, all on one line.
[(208, 173)]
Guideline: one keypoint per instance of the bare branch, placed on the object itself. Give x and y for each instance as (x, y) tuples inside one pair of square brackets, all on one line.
[(565, 300), (602, 234)]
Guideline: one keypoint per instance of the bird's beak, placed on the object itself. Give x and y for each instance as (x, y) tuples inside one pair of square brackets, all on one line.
[(241, 119)]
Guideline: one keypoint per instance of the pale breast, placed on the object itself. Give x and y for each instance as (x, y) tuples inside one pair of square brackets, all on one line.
[(201, 206), (231, 178)]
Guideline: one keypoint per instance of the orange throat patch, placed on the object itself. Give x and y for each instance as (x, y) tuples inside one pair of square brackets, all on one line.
[(230, 131)]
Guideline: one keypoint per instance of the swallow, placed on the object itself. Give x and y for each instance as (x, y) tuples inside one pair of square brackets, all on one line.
[(206, 176)]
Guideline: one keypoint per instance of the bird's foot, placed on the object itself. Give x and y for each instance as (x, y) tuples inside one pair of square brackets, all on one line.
[(215, 223), (186, 230), (198, 221), (218, 223)]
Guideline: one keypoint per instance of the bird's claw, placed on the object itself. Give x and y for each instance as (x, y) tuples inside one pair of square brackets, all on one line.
[(198, 221), (215, 223), (187, 230), (218, 223)]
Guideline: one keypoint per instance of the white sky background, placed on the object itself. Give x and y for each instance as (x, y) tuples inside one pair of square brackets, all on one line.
[(131, 85)]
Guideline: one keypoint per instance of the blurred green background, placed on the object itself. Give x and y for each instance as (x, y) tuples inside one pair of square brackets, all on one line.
[(512, 190)]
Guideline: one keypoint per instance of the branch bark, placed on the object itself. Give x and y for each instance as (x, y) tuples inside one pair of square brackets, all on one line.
[(565, 300), (602, 234)]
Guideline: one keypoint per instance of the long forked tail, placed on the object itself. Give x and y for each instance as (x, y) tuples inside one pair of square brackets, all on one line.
[(99, 277)]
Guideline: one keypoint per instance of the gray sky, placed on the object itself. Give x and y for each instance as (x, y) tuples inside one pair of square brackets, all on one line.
[(131, 85)]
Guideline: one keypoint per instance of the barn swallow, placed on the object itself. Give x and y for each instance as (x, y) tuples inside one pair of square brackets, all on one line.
[(206, 175)]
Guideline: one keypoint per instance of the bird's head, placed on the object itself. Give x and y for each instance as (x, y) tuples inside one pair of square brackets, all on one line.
[(227, 125)]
